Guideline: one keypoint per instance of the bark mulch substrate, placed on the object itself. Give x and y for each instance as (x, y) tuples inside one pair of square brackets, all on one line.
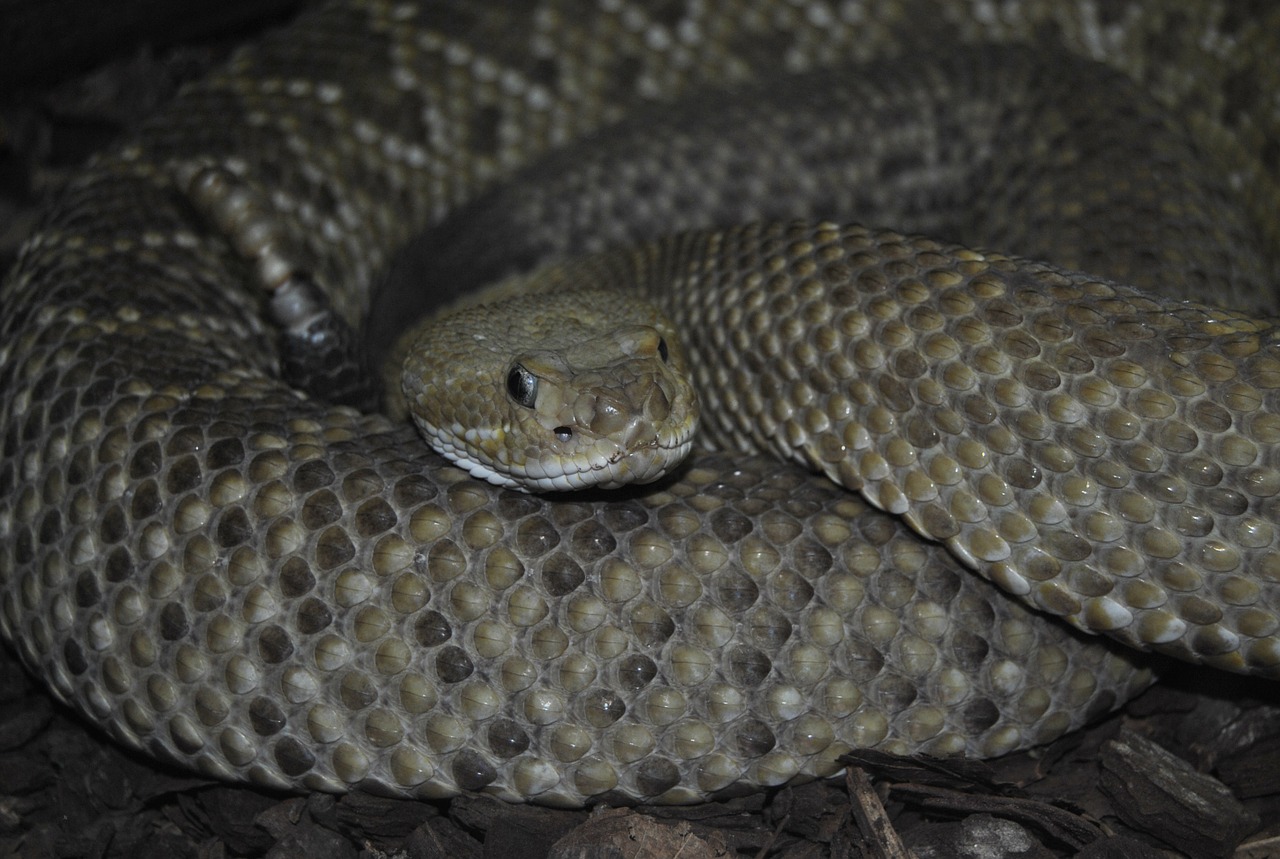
[(1182, 771)]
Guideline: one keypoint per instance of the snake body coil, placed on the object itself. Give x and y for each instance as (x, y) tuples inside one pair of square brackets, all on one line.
[(228, 573)]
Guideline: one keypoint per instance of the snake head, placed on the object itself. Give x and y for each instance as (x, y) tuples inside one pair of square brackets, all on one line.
[(596, 394)]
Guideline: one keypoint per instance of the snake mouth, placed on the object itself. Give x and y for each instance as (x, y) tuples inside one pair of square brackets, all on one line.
[(610, 468), (643, 465)]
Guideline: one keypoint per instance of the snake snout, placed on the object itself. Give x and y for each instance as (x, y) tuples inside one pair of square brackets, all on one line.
[(642, 420)]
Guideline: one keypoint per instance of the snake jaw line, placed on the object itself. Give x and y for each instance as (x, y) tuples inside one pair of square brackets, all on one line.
[(444, 444)]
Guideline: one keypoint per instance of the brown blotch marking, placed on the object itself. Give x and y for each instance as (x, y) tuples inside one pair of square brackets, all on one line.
[(937, 522), (730, 526), (313, 616), (50, 530), (512, 506), (296, 578), (922, 434), (23, 545), (536, 536), (656, 775), (73, 657), (63, 408), (119, 566), (361, 484), (471, 771), (174, 624), (334, 549), (210, 706), (432, 629), (969, 651), (185, 441), (1022, 474), (1241, 97), (635, 671), (233, 528), (266, 718), (979, 715), (79, 470), (146, 460), (591, 541), (506, 738), (292, 757), (225, 453), (312, 475), (320, 509), (1176, 437), (374, 517), (651, 624), (146, 501), (1226, 502), (544, 71), (1002, 313), (621, 518), (99, 393), (941, 584), (909, 364), (1039, 376), (409, 492), (562, 575), (114, 527), (357, 691), (979, 410), (894, 693), (752, 738), (1203, 471), (453, 665), (735, 591), (810, 558), (1057, 600), (747, 667), (275, 646)]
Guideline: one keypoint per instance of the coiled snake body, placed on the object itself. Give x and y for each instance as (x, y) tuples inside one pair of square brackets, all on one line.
[(228, 573)]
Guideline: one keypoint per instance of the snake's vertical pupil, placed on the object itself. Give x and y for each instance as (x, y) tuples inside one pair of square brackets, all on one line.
[(662, 349), (522, 386)]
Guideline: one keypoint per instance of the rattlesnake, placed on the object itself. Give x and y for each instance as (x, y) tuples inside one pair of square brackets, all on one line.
[(229, 573)]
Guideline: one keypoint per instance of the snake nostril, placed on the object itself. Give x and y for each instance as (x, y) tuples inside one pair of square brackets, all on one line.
[(563, 433)]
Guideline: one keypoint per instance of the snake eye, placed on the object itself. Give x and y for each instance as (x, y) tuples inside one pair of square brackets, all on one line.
[(662, 349), (522, 386)]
